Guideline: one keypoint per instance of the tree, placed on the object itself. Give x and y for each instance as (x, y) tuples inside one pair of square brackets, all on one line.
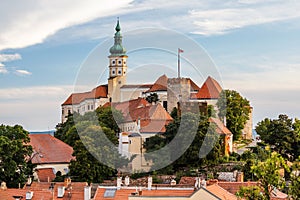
[(294, 185), (14, 154), (152, 98), (235, 109), (268, 173), (93, 146), (250, 193), (282, 135), (184, 127)]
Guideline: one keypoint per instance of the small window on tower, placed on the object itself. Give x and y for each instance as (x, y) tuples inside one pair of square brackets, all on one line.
[(119, 62), (113, 62), (124, 62), (119, 72), (113, 72)]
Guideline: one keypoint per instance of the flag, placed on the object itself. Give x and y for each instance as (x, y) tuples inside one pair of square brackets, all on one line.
[(180, 50)]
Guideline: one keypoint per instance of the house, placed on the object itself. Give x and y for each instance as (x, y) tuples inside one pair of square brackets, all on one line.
[(56, 191), (50, 155)]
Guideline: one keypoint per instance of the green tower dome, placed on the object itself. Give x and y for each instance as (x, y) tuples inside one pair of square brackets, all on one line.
[(117, 49)]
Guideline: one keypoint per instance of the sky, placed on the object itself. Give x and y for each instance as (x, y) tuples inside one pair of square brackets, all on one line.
[(254, 46)]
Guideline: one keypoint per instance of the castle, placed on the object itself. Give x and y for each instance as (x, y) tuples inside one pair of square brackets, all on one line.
[(144, 119)]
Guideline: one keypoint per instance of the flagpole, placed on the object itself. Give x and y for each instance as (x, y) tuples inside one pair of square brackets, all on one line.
[(178, 65)]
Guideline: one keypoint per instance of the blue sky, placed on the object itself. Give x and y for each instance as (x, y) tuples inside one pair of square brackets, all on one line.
[(254, 44)]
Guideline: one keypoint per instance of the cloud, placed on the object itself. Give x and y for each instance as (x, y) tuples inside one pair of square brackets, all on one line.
[(41, 103), (9, 57), (30, 22), (3, 69), (241, 14), (21, 72)]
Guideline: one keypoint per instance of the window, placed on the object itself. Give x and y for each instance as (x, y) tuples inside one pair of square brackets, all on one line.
[(124, 62), (119, 72), (69, 111), (92, 107), (113, 72), (113, 62), (62, 111), (88, 107), (120, 62), (109, 193)]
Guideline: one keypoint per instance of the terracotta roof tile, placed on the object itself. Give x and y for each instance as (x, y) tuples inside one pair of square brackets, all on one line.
[(221, 192), (220, 127), (123, 194), (127, 107), (154, 126), (138, 86), (210, 89), (45, 175), (96, 93), (48, 149), (234, 187), (160, 84)]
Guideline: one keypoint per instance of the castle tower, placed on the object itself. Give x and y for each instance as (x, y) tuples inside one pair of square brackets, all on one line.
[(117, 67)]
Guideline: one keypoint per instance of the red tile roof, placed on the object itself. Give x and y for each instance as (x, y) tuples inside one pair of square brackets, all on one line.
[(160, 84), (45, 175), (48, 149), (220, 127), (154, 126), (127, 107), (210, 89), (234, 187), (42, 191), (138, 86), (221, 192), (123, 194), (96, 93)]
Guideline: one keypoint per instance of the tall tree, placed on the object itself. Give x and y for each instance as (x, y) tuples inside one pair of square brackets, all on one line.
[(282, 135), (14, 154), (268, 173), (235, 109)]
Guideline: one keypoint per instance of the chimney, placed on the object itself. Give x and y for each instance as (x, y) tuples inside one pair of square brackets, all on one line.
[(3, 186), (149, 183), (60, 191), (67, 182), (119, 183), (87, 193), (127, 181), (173, 182), (140, 191), (240, 177), (29, 195)]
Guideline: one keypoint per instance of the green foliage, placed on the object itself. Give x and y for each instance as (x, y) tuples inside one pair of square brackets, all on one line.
[(93, 145), (268, 173), (282, 135), (14, 150), (250, 193), (294, 185), (236, 109), (183, 128), (152, 98), (174, 113)]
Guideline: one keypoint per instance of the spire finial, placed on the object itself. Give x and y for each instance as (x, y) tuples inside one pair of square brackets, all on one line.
[(118, 28)]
